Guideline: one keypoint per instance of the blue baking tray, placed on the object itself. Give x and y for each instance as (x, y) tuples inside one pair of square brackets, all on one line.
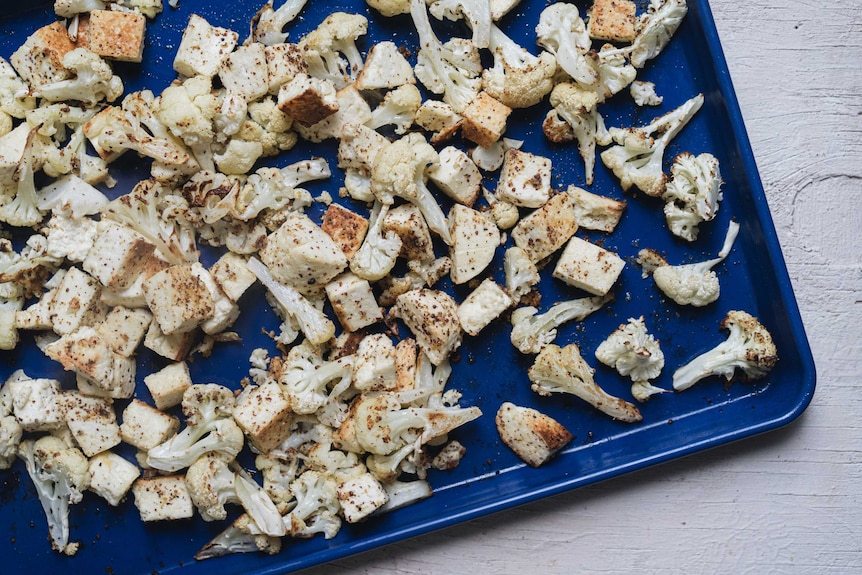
[(488, 370)]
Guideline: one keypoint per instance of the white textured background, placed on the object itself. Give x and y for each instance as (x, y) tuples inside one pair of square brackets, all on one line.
[(786, 502)]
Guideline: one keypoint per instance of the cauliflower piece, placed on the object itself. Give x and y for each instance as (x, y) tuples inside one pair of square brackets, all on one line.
[(399, 169), (477, 14), (268, 24), (305, 378), (521, 273), (389, 8), (10, 437), (70, 238), (209, 428), (562, 32), (240, 537), (749, 347), (316, 505), (532, 331), (637, 157), (563, 370), (398, 109), (440, 68), (213, 481), (15, 97), (475, 238), (312, 322), (385, 68), (71, 8), (534, 436), (655, 29), (693, 193), (277, 189), (60, 475), (634, 353), (71, 198), (22, 209), (432, 317), (407, 222), (94, 80), (374, 369), (644, 94), (578, 107), (695, 284), (330, 49), (517, 79), (438, 117), (188, 110)]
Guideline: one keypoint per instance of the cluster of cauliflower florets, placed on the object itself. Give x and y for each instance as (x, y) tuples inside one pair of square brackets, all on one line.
[(339, 417)]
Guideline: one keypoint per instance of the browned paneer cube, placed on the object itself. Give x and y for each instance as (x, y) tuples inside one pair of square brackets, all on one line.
[(346, 228), (39, 60), (117, 35), (612, 20), (485, 120)]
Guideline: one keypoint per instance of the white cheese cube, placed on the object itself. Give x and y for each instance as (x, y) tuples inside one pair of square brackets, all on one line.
[(39, 60), (245, 71), (203, 48), (595, 212), (225, 310), (35, 402), (263, 412), (547, 229), (232, 275), (111, 476), (85, 352), (374, 369), (360, 496), (178, 298), (92, 421), (163, 498), (175, 346), (588, 267), (76, 302), (457, 176), (432, 317), (406, 351), (118, 256), (283, 61), (525, 179), (144, 426), (168, 384), (409, 224), (302, 255), (70, 237), (475, 238), (124, 329), (482, 306), (353, 301), (534, 436)]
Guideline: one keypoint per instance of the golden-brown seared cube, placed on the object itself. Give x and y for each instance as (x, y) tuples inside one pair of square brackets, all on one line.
[(117, 35), (532, 435), (308, 100), (346, 228), (409, 224), (168, 385), (178, 298), (484, 120), (86, 353), (547, 229), (144, 426), (353, 301), (405, 364), (612, 20), (263, 412), (284, 62), (39, 60)]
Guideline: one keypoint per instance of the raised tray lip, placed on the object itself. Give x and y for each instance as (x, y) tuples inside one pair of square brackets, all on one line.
[(807, 376)]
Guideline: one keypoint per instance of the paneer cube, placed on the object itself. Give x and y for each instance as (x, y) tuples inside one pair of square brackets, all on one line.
[(36, 402), (87, 353), (225, 310), (179, 298), (374, 369), (111, 476), (438, 117), (385, 68), (175, 346), (284, 62), (203, 48), (534, 436), (612, 20), (144, 426), (124, 329), (525, 179), (484, 120), (162, 498), (167, 385), (482, 306), (352, 109), (92, 421), (432, 317), (595, 212), (409, 224), (308, 100), (76, 302), (589, 267), (39, 60), (263, 412), (353, 301), (547, 229), (405, 364), (117, 35), (118, 256), (346, 228), (475, 238), (302, 255), (232, 275), (457, 176), (360, 496), (245, 71)]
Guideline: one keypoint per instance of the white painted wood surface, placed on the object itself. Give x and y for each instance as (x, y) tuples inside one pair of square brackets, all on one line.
[(786, 502)]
